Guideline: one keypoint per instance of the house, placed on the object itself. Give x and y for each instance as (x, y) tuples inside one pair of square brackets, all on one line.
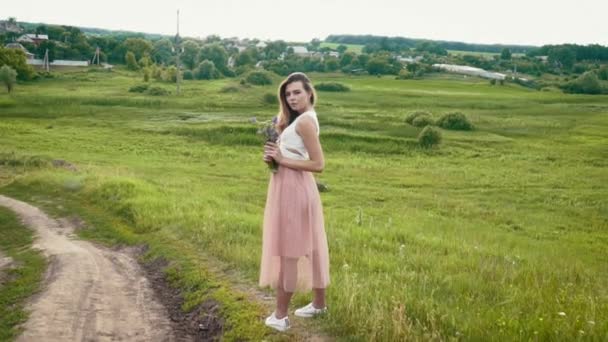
[(9, 26), (261, 45), (543, 59), (301, 51), (409, 60), (334, 54), (18, 46), (33, 38)]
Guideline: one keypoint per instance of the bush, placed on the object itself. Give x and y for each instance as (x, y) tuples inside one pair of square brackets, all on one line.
[(206, 70), (269, 98), (16, 59), (188, 75), (147, 73), (429, 137), (455, 121), (8, 76), (410, 118), (157, 91), (603, 73), (131, 61), (170, 74), (587, 83), (404, 75), (332, 86), (422, 120), (259, 78), (140, 88)]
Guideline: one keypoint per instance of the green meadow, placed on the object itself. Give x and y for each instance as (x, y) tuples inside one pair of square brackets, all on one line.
[(499, 233)]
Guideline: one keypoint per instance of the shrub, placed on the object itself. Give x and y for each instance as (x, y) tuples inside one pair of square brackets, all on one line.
[(603, 73), (332, 86), (429, 137), (140, 88), (587, 83), (404, 74), (157, 91), (147, 73), (259, 78), (188, 75), (270, 98), (131, 61), (455, 121), (8, 76), (206, 70), (422, 120), (170, 74), (410, 118)]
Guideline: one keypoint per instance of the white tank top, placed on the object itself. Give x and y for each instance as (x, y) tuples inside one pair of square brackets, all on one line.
[(291, 143)]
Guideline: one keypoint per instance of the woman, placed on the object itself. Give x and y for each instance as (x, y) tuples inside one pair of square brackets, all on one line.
[(294, 253)]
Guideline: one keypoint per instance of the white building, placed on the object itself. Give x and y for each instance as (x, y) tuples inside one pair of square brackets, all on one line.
[(468, 70)]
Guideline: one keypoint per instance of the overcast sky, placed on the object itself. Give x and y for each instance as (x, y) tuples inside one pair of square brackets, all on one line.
[(525, 22)]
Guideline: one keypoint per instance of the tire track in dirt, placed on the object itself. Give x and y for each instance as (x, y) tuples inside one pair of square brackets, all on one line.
[(90, 293)]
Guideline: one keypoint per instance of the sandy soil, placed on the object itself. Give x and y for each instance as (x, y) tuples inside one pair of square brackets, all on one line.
[(89, 293)]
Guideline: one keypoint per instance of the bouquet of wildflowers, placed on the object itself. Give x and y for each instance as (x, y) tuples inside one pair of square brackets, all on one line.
[(268, 131)]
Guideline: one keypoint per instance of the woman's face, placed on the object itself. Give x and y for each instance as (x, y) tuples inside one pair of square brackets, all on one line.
[(297, 97)]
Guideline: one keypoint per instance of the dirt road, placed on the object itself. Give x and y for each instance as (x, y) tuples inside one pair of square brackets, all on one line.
[(90, 293)]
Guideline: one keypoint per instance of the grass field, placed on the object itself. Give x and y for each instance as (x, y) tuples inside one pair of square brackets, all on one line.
[(22, 278), (356, 48), (498, 234)]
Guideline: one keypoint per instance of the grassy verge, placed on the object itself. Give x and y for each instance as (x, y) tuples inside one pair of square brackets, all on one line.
[(20, 280), (187, 269)]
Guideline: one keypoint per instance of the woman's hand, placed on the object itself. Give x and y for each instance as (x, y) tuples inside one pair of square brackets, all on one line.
[(272, 151)]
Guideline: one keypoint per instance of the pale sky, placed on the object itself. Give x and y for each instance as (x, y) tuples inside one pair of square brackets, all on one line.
[(522, 22)]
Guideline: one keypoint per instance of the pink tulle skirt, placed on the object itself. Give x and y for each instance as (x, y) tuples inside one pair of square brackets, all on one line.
[(294, 252)]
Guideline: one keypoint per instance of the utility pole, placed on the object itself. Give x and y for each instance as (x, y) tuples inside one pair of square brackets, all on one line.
[(46, 60), (179, 51)]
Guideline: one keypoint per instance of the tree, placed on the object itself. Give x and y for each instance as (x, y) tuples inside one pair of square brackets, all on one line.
[(17, 61), (347, 58), (162, 51), (274, 49), (314, 44), (246, 57), (562, 56), (140, 47), (505, 54), (331, 64), (216, 54), (131, 62), (8, 76), (341, 48), (603, 73), (377, 66), (189, 55), (206, 71)]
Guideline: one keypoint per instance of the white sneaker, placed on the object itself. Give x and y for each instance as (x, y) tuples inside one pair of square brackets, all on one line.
[(278, 324), (310, 311)]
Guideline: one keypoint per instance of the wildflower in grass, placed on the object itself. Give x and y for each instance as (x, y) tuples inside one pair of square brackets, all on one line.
[(267, 130)]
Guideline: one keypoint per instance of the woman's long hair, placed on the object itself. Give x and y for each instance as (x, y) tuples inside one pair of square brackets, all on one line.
[(286, 114)]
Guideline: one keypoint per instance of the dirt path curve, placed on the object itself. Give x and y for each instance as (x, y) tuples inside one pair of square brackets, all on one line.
[(89, 293)]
